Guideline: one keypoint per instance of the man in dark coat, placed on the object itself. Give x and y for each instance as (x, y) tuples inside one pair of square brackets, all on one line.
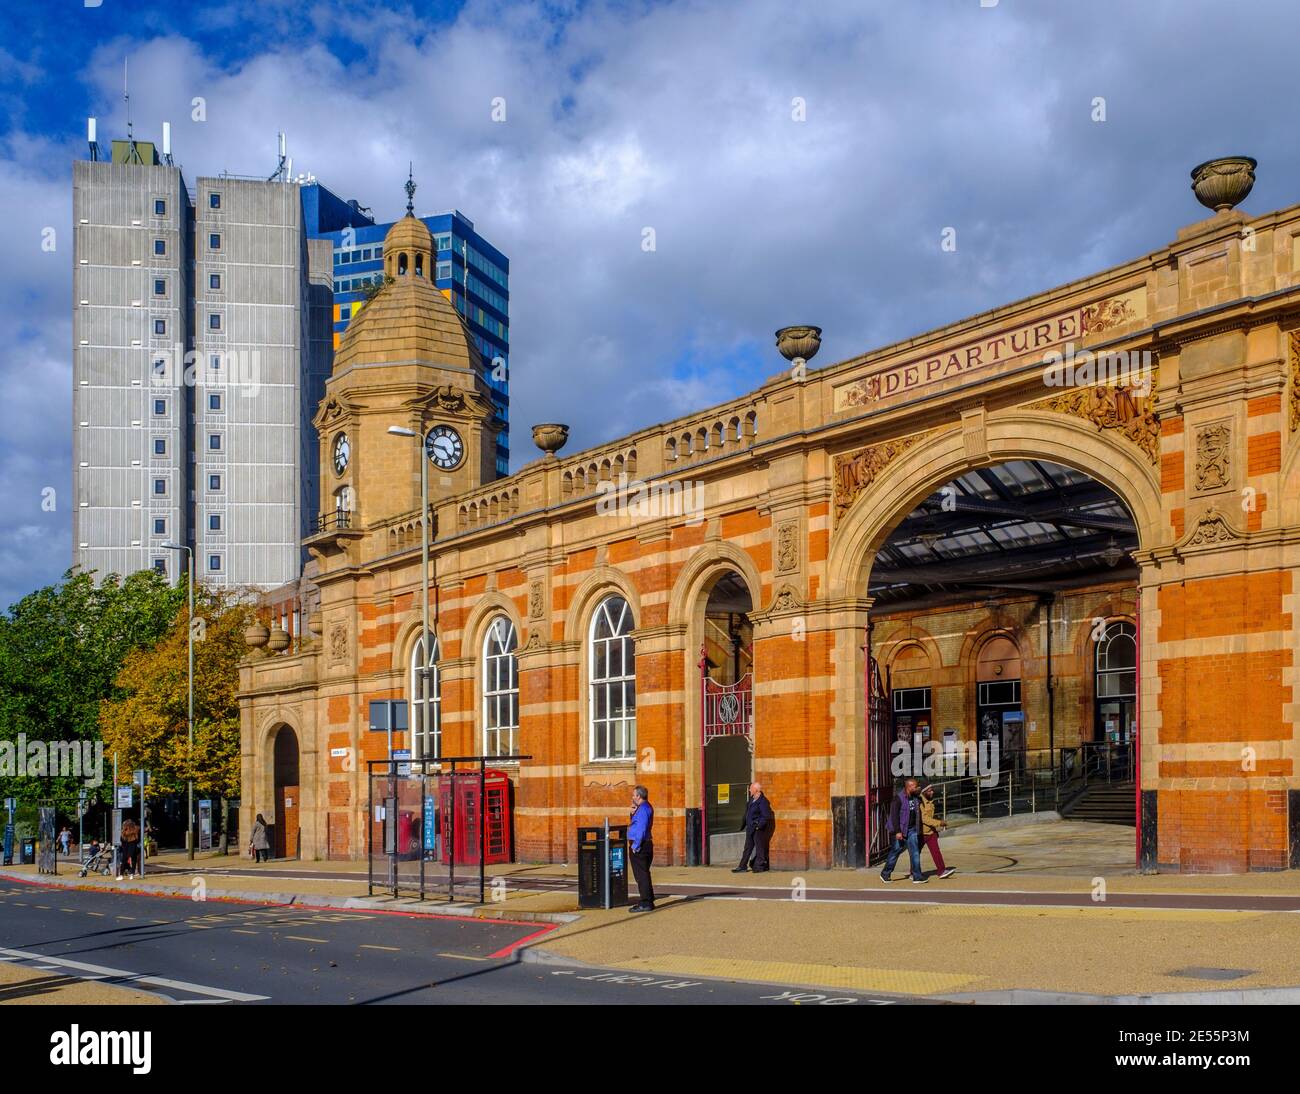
[(904, 829), (759, 825)]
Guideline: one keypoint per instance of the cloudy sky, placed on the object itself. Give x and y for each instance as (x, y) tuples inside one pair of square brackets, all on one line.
[(917, 115)]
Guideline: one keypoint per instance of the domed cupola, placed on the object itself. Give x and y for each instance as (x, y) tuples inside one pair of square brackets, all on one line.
[(409, 320), (408, 247)]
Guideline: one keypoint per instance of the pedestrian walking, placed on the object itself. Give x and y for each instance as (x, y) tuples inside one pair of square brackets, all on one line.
[(758, 826), (259, 845), (639, 838), (905, 831), (129, 850), (65, 841), (931, 825)]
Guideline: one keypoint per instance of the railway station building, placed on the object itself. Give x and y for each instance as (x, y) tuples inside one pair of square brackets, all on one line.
[(1067, 529)]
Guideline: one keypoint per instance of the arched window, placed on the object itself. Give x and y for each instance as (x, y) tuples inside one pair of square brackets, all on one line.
[(1116, 690), (613, 682), (426, 714), (500, 690), (401, 264)]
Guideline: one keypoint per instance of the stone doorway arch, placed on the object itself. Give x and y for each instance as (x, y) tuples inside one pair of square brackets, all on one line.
[(913, 474)]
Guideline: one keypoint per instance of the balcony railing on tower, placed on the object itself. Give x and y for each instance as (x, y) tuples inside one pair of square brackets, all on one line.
[(340, 518)]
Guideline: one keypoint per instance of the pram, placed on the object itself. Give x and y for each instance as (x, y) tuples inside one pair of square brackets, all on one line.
[(101, 862)]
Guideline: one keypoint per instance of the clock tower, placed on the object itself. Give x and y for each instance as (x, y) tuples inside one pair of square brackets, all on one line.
[(406, 360)]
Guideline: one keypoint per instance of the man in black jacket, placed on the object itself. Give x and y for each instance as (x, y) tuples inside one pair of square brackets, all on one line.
[(759, 825), (904, 830)]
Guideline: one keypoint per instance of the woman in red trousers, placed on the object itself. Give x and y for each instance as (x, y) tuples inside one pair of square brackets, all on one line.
[(931, 825)]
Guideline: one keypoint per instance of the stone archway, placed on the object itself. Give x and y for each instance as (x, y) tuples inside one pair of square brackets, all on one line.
[(286, 783), (907, 473), (719, 563)]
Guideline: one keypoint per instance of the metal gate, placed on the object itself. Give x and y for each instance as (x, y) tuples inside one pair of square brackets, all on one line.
[(726, 710), (880, 738)]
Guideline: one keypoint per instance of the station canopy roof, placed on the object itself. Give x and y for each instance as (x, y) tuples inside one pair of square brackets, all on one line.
[(1023, 527)]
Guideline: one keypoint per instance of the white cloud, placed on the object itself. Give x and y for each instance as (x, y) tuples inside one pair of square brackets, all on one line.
[(678, 117)]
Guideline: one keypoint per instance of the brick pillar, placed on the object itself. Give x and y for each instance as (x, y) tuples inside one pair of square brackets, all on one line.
[(547, 790), (801, 653), (1217, 743)]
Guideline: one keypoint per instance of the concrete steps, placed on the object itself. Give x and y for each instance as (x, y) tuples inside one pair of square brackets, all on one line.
[(1104, 803)]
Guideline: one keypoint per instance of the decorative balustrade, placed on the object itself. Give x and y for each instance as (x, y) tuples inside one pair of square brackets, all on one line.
[(581, 476), (730, 430), (488, 507)]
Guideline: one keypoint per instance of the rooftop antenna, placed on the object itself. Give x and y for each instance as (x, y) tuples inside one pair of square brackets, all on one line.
[(134, 157), (281, 170), (90, 139), (167, 143)]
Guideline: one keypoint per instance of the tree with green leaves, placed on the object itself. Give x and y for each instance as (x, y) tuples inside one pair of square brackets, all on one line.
[(61, 649)]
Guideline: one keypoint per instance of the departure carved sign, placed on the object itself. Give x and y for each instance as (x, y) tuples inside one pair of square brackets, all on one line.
[(985, 354)]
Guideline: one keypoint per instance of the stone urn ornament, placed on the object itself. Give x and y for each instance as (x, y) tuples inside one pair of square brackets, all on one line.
[(278, 640), (1223, 183), (256, 635), (550, 437), (799, 345)]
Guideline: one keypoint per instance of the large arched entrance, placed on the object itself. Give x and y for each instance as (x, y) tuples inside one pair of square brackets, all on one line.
[(1000, 566), (287, 793), (1012, 564)]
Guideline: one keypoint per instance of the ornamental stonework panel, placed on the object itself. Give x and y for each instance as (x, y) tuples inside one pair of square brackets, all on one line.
[(1294, 397), (338, 647), (536, 601), (787, 547), (1213, 469), (855, 471), (1125, 410)]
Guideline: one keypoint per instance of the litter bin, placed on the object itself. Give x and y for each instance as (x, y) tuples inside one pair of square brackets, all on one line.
[(29, 851), (602, 866)]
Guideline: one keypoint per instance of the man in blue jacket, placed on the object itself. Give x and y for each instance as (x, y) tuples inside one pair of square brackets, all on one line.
[(759, 825), (904, 829), (639, 833)]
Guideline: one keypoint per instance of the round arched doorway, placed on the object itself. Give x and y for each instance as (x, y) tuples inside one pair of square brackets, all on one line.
[(285, 838), (1000, 565)]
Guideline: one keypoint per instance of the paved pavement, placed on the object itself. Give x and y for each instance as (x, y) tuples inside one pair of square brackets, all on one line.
[(190, 952), (1038, 907)]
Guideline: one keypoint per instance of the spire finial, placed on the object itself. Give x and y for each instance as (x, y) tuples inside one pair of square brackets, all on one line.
[(410, 191)]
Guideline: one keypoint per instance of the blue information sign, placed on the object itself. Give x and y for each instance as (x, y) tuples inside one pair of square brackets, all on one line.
[(430, 825)]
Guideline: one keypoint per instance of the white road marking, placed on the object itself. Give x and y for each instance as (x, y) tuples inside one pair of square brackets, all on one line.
[(132, 977)]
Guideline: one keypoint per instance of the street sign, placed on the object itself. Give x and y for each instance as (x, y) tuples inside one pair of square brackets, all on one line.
[(124, 797), (430, 825), (403, 769), (141, 778)]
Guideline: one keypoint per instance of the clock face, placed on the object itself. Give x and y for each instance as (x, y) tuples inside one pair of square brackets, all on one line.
[(444, 446), (342, 450)]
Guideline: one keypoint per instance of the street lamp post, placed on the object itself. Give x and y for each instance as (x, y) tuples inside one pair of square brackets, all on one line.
[(427, 653), (189, 808)]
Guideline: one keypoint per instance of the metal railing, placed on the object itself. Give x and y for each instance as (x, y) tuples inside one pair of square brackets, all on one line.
[(340, 518), (1033, 780)]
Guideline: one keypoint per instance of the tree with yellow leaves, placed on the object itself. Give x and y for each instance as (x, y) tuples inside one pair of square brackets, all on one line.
[(147, 726)]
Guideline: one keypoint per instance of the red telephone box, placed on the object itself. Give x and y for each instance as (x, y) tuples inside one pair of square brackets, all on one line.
[(464, 797)]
